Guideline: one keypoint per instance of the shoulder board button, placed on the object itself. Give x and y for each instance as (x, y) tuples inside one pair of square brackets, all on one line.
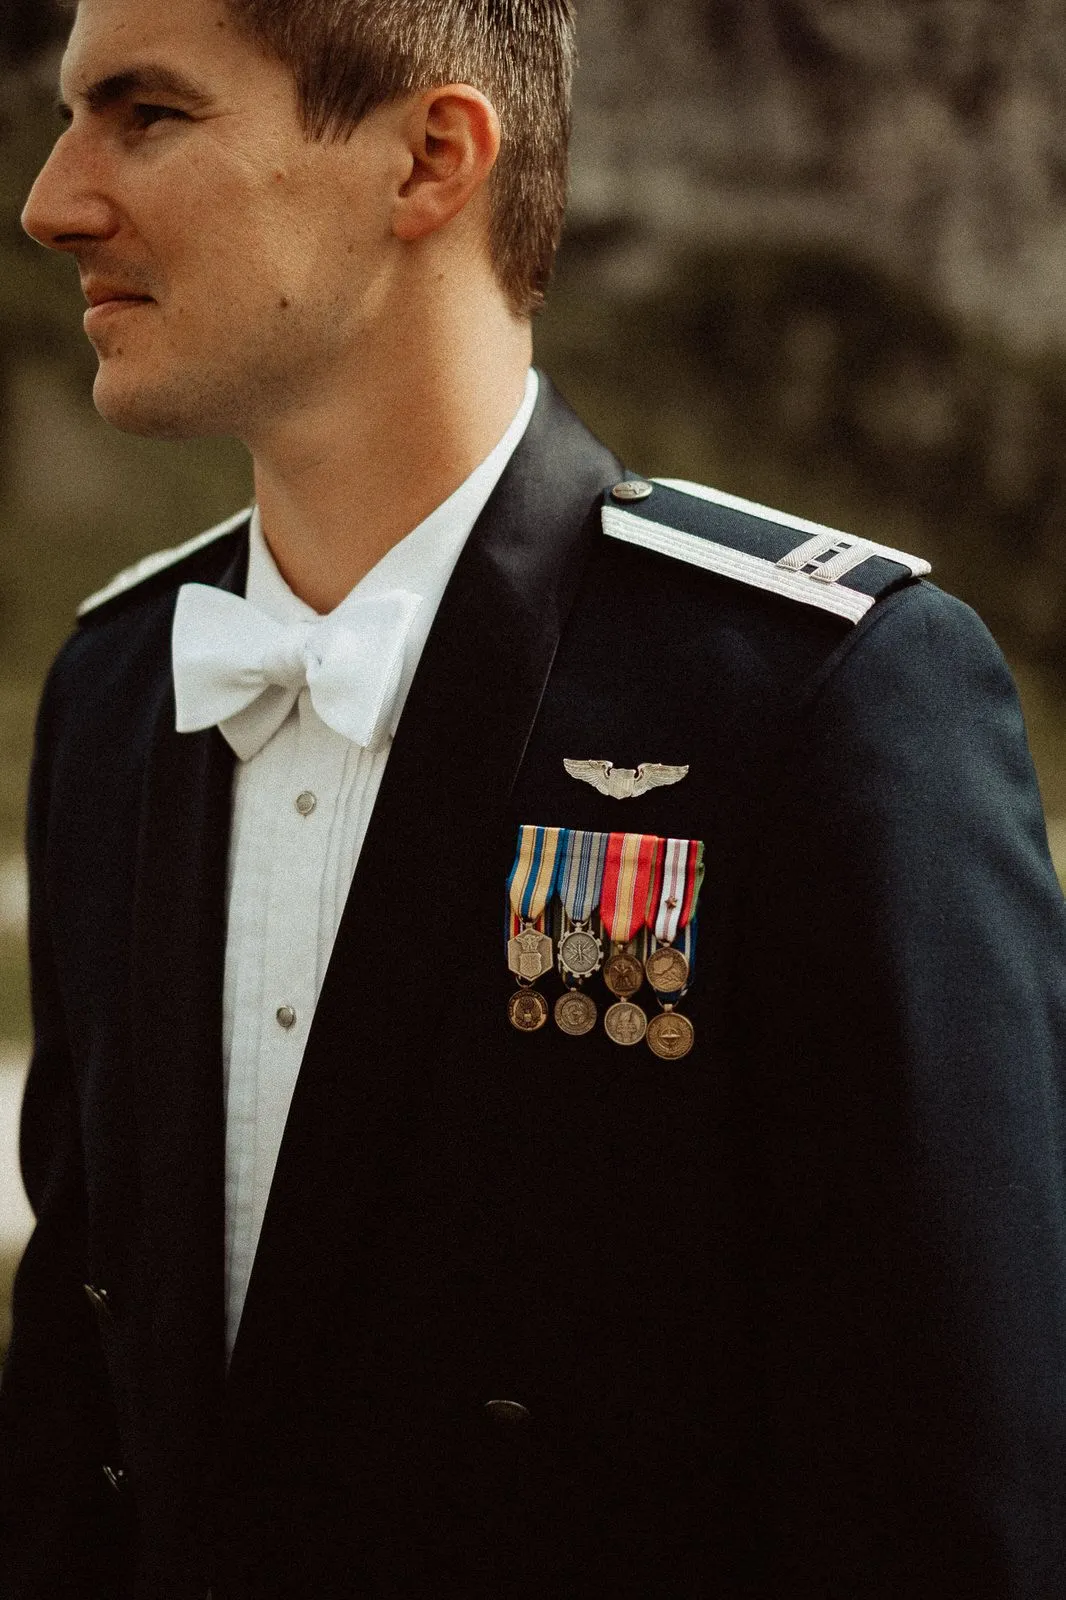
[(755, 545), (632, 489), (159, 561)]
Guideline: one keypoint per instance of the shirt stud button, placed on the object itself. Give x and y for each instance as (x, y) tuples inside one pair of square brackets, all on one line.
[(306, 803), (286, 1016), (506, 1413)]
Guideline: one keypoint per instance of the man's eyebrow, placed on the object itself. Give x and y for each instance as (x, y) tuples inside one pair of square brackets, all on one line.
[(148, 80)]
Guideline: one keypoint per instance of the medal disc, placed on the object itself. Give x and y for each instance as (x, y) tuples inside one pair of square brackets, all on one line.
[(667, 969), (575, 1013), (623, 974), (671, 1036), (580, 953), (527, 1011), (625, 1023), (529, 955)]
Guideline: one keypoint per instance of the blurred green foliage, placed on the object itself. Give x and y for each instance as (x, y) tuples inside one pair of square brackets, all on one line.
[(14, 998), (9, 1261)]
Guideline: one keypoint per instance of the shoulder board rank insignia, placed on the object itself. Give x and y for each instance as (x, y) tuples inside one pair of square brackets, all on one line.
[(752, 544), (159, 561)]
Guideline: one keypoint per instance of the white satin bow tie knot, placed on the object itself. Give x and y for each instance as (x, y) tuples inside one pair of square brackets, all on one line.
[(289, 660), (237, 667)]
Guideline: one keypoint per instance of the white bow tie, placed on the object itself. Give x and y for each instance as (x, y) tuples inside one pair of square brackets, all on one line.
[(237, 667)]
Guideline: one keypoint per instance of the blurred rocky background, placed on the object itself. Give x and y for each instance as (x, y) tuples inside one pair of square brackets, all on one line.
[(816, 256)]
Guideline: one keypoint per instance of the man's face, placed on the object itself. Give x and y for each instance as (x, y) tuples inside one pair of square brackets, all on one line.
[(232, 266)]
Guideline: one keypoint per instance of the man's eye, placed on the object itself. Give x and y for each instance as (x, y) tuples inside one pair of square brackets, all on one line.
[(146, 116)]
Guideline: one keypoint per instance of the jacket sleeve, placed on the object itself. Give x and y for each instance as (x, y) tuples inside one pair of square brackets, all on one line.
[(904, 1016), (62, 1535)]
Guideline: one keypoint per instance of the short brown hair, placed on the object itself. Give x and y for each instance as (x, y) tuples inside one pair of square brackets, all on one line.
[(349, 56)]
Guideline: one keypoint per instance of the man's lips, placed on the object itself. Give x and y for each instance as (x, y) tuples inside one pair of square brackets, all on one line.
[(107, 302), (100, 294)]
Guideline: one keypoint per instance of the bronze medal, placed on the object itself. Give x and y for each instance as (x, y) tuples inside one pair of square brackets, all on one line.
[(625, 1023), (527, 1011), (580, 953), (671, 1035), (575, 1013), (623, 974), (529, 955), (667, 970)]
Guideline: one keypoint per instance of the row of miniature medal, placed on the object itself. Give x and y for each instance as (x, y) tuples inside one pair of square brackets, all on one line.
[(625, 902)]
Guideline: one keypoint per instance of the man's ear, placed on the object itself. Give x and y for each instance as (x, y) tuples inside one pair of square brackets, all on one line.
[(453, 137)]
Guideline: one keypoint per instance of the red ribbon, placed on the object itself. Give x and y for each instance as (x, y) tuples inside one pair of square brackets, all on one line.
[(631, 881)]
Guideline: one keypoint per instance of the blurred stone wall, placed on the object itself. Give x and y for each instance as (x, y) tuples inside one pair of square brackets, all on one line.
[(922, 138)]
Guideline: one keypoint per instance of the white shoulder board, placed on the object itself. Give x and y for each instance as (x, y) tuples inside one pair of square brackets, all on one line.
[(130, 577), (753, 544)]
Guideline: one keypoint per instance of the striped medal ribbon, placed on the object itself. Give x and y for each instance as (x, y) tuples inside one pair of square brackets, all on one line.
[(669, 965), (631, 875), (529, 951), (666, 967), (580, 882), (630, 886), (686, 943), (580, 950)]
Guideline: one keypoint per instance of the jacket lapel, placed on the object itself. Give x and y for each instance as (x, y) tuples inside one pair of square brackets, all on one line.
[(421, 937), (178, 952)]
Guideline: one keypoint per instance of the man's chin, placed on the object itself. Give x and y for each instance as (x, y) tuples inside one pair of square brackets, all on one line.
[(153, 411)]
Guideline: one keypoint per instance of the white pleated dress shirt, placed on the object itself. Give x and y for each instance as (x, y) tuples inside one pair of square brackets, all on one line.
[(301, 807)]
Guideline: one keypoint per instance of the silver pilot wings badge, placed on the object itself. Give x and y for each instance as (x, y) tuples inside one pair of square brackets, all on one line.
[(622, 783)]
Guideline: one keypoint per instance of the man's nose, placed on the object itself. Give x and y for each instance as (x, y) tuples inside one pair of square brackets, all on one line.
[(68, 204)]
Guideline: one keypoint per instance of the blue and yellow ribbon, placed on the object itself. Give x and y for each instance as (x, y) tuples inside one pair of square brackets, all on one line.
[(536, 868)]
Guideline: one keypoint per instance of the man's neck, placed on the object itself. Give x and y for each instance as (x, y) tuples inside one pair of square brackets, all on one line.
[(344, 480)]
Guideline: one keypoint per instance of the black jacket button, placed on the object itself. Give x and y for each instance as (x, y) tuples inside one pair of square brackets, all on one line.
[(506, 1413), (100, 1301)]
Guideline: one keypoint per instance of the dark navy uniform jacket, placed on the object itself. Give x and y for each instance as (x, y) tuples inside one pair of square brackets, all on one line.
[(787, 1318)]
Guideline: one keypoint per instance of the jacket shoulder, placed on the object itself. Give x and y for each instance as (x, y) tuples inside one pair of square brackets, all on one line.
[(175, 564), (752, 544)]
